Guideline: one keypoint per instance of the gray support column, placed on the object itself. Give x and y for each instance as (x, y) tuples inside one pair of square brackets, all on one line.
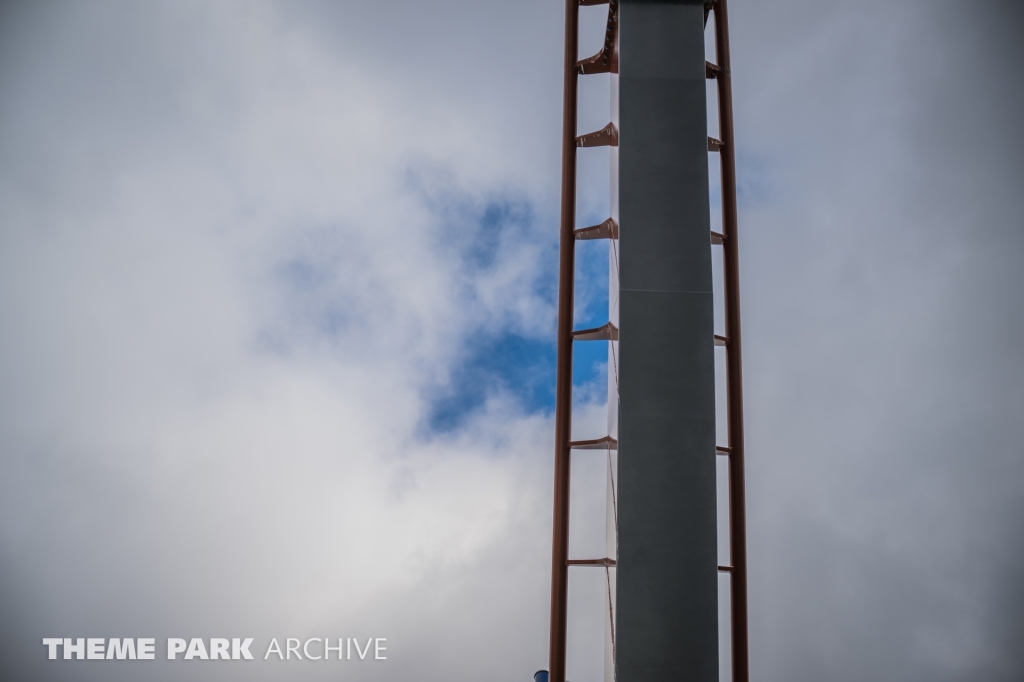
[(667, 584)]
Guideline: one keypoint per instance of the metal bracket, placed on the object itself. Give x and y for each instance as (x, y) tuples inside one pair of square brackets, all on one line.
[(606, 332), (591, 562), (605, 137), (603, 443), (607, 60), (609, 229)]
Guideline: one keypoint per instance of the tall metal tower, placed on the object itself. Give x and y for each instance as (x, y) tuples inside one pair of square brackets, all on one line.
[(662, 566)]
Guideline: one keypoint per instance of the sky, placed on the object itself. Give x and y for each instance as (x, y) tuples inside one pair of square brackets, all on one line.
[(278, 280)]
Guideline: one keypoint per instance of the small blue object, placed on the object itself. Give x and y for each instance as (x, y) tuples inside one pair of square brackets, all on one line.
[(540, 676)]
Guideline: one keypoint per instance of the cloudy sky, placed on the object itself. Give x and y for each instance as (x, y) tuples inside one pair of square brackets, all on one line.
[(277, 287)]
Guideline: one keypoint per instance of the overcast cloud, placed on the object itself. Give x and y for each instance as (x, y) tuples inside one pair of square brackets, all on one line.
[(277, 290)]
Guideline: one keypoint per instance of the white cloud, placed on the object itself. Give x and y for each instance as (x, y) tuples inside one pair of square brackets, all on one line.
[(233, 257)]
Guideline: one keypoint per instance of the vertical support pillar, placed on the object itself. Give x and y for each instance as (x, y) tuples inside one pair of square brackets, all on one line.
[(734, 361), (667, 591), (563, 379)]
